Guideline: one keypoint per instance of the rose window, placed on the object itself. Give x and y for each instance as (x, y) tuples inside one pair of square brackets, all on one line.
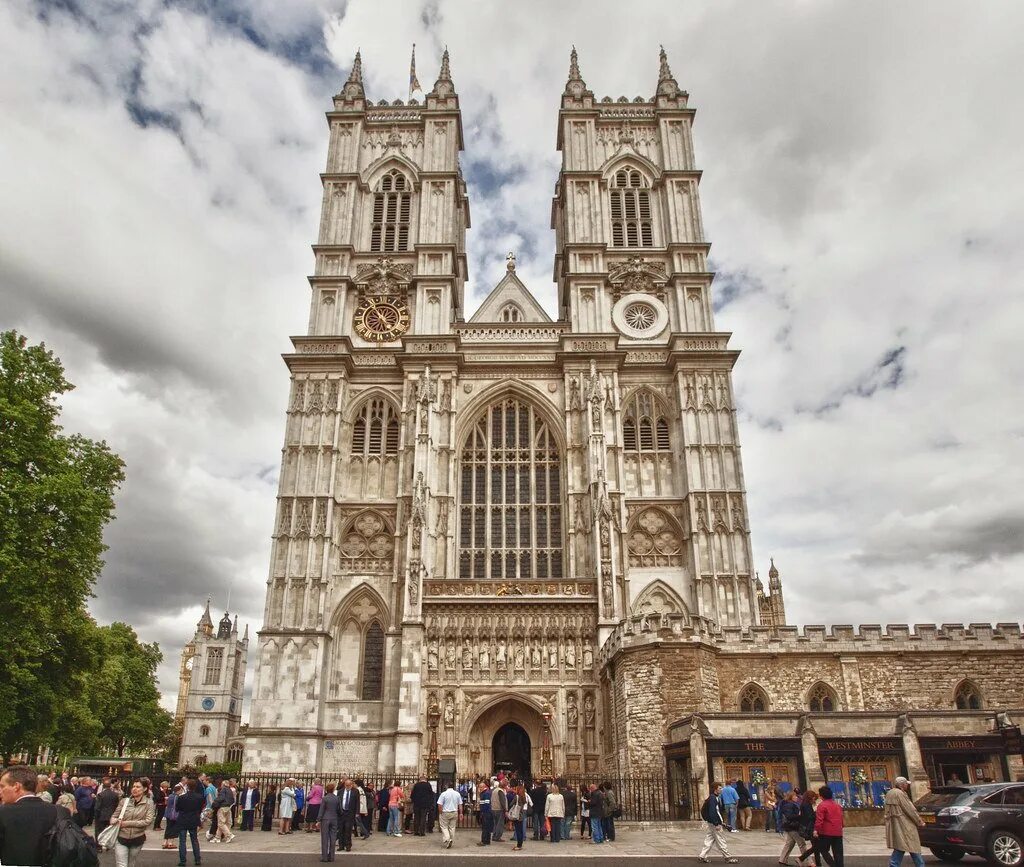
[(639, 316)]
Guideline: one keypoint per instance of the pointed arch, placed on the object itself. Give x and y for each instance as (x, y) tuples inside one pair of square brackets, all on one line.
[(646, 422), (510, 492), (822, 698), (967, 696), (376, 425), (358, 635), (469, 414), (374, 172), (659, 598), (367, 543), (350, 607), (631, 161), (753, 699)]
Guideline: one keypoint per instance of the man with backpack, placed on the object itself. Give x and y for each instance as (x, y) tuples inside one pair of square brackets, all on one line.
[(34, 833), (711, 813)]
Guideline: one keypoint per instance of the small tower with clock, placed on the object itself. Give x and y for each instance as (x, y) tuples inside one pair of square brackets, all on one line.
[(210, 693)]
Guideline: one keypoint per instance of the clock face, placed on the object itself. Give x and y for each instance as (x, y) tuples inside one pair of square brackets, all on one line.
[(189, 663), (208, 704), (380, 318)]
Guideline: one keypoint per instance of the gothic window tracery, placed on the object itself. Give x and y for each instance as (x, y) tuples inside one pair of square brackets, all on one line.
[(644, 426), (822, 699), (630, 202), (372, 687), (375, 432), (214, 664), (358, 650), (654, 539), (967, 696), (234, 754), (392, 205), (753, 699), (511, 313), (367, 544), (510, 497)]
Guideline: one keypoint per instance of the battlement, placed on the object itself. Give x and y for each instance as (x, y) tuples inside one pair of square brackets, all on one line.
[(645, 629)]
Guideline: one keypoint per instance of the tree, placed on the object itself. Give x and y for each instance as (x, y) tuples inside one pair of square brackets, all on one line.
[(122, 692), (56, 496)]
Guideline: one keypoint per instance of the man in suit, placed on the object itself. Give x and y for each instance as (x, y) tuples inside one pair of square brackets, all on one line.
[(25, 820), (422, 800), (348, 808), (329, 818)]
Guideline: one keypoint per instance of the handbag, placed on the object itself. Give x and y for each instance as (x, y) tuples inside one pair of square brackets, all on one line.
[(107, 838)]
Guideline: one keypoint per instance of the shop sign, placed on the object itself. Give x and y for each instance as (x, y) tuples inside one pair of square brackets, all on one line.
[(1012, 742), (854, 745), (967, 744), (754, 747)]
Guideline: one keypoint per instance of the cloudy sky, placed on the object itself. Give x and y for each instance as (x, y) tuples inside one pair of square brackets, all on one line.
[(863, 189)]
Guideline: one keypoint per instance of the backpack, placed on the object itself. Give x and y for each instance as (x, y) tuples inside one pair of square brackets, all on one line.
[(70, 846)]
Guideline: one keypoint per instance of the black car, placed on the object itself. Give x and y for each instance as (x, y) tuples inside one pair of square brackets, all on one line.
[(983, 820)]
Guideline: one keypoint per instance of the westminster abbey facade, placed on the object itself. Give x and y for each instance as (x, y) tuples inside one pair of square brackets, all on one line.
[(510, 540)]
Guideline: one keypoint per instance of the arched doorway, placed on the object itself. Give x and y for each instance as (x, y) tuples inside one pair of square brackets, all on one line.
[(510, 750)]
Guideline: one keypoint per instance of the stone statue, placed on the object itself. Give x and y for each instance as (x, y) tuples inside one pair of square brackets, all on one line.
[(485, 658), (572, 717), (502, 654), (449, 710), (535, 656), (588, 657), (450, 655), (570, 655), (467, 655), (432, 657), (552, 655), (520, 656)]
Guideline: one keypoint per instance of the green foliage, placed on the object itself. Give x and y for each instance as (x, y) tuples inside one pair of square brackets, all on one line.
[(56, 496), (227, 770)]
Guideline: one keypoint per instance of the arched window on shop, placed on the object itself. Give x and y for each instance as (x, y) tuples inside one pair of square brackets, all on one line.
[(753, 699), (967, 696), (822, 698)]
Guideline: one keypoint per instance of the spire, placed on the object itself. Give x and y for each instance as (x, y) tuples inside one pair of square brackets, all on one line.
[(353, 88), (234, 626), (245, 637), (206, 621), (444, 87), (575, 86), (667, 85), (773, 573)]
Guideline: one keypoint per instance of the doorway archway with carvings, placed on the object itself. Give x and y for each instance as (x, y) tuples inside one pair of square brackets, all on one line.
[(507, 729)]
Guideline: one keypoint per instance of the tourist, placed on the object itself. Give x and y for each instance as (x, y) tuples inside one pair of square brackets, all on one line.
[(348, 805), (66, 800), (133, 817), (25, 819), (171, 817), (221, 814), (711, 813), (287, 810), (807, 817), (554, 810), (42, 789), (901, 823), (517, 812), (160, 802), (85, 802), (744, 813), (233, 785), (828, 829), (730, 798), (106, 802), (366, 800), (499, 809), (267, 821), (422, 796), (596, 815), (611, 813), (569, 794), (584, 812), (328, 818), (449, 806), (395, 796), (383, 812), (300, 806), (190, 805), (250, 803), (538, 795), (316, 793), (484, 795), (789, 817)]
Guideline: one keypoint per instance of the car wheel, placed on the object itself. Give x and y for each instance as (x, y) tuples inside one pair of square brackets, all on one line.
[(951, 854), (1004, 848)]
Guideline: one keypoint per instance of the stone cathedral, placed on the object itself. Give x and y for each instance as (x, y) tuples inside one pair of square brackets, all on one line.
[(513, 541)]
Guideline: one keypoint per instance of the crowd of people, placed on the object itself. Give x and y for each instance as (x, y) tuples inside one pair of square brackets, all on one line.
[(811, 822)]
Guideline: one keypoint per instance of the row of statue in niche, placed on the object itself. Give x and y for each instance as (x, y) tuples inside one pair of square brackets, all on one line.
[(517, 657)]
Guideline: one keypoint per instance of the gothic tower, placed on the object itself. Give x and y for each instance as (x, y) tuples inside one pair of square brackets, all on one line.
[(210, 692), (468, 510)]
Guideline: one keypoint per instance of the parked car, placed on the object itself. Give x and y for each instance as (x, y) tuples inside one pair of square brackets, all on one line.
[(983, 820)]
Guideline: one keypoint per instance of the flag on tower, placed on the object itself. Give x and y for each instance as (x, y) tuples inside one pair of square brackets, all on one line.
[(414, 82)]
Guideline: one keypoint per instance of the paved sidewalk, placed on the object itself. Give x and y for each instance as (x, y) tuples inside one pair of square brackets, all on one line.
[(653, 841)]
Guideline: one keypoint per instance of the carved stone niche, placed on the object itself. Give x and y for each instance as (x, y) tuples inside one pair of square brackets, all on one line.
[(383, 277), (636, 275)]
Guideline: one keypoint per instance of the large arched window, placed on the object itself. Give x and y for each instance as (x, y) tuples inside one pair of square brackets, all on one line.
[(510, 515), (375, 430), (753, 699), (631, 210), (372, 685), (644, 426), (822, 698), (392, 204), (967, 696)]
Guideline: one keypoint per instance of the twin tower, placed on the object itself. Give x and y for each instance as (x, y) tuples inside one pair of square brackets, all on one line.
[(469, 510)]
